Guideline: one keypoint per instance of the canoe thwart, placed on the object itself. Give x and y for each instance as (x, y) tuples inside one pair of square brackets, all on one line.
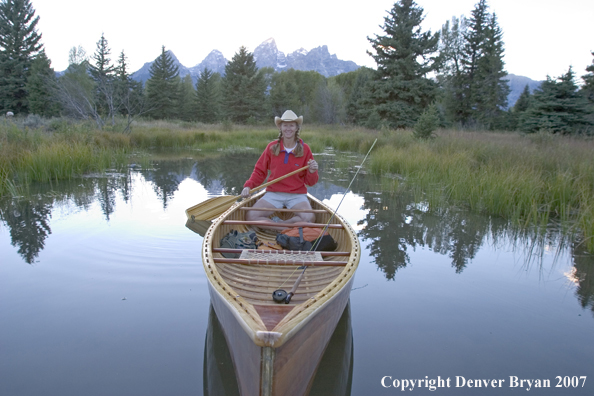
[(280, 262), (286, 225), (229, 250), (285, 210)]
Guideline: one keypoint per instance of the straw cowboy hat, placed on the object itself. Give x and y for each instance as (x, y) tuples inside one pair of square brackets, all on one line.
[(289, 116)]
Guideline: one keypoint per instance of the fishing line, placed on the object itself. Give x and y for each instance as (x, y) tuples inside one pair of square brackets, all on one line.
[(277, 294)]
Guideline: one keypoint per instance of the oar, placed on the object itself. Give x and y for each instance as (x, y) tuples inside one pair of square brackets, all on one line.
[(216, 206)]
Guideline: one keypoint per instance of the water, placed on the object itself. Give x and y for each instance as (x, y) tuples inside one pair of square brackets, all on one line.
[(102, 291)]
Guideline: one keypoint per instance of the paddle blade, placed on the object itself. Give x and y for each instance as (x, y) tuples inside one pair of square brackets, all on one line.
[(211, 208)]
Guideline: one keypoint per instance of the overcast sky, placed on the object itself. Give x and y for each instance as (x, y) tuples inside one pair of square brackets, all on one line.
[(541, 37)]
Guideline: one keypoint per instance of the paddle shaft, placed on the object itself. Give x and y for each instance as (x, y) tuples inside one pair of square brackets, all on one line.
[(278, 179), (214, 207)]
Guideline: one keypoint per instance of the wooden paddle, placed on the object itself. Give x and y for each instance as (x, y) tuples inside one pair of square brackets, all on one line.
[(216, 206)]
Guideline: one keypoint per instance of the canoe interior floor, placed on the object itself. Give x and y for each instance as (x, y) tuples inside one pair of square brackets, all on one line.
[(271, 315), (256, 283)]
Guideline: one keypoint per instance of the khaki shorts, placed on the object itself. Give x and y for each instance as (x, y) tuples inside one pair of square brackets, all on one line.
[(281, 199)]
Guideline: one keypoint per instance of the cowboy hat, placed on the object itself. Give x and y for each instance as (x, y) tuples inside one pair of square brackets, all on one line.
[(288, 116)]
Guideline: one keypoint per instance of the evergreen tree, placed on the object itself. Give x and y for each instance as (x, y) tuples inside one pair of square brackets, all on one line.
[(523, 102), (427, 124), (452, 78), (357, 95), (186, 99), (207, 101), (102, 69), (129, 95), (474, 90), (474, 37), (284, 93), (39, 87), (103, 72), (162, 87), (489, 88), (401, 90), (588, 87), (515, 114), (295, 90), (587, 90), (19, 43), (243, 88), (557, 107)]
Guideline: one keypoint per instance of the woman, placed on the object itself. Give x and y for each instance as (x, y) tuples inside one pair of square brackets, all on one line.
[(283, 156)]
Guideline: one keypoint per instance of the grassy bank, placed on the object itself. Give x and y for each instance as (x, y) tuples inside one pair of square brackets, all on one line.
[(531, 179)]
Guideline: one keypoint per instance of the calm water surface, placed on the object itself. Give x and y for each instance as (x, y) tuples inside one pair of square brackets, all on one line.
[(102, 292)]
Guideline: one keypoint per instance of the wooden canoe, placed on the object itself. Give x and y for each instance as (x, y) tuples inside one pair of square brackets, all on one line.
[(276, 348), (334, 375)]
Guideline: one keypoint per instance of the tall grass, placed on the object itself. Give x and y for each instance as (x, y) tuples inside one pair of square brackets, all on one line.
[(72, 150), (531, 179)]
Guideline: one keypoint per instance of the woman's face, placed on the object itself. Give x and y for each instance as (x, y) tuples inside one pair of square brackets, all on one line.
[(288, 129)]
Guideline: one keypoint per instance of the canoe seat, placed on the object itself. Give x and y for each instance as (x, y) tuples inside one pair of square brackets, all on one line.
[(285, 255)]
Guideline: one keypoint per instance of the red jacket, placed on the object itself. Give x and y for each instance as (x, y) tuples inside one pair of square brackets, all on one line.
[(280, 165)]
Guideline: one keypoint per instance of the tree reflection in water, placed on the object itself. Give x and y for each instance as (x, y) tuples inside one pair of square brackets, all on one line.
[(28, 222), (395, 224)]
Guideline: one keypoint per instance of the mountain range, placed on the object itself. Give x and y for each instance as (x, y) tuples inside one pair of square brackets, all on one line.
[(266, 55), (318, 59)]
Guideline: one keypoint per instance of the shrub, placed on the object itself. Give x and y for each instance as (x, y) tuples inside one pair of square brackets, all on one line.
[(427, 123)]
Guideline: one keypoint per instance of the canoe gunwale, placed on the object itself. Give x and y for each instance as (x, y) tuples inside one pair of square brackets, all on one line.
[(244, 311)]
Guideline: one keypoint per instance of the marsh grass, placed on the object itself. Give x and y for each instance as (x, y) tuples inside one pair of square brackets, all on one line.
[(531, 179)]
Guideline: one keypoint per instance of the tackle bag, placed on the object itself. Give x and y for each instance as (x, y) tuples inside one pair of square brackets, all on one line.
[(307, 239), (238, 240)]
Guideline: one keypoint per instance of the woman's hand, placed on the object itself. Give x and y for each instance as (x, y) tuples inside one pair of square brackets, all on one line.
[(245, 192), (313, 166)]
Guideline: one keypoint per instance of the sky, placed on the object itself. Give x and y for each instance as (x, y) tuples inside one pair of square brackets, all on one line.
[(541, 37)]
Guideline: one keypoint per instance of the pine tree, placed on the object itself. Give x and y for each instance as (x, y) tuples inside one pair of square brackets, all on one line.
[(103, 72), (284, 93), (489, 88), (207, 100), (474, 90), (102, 69), (523, 102), (587, 90), (515, 114), (557, 107), (129, 95), (401, 89), (186, 99), (452, 78), (588, 87), (162, 87), (39, 87), (243, 88), (358, 95), (19, 43)]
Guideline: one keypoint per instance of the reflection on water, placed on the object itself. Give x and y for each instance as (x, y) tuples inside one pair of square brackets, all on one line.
[(105, 267), (393, 227)]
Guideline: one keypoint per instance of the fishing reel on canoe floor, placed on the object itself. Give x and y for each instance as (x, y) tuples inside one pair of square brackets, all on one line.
[(280, 296)]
